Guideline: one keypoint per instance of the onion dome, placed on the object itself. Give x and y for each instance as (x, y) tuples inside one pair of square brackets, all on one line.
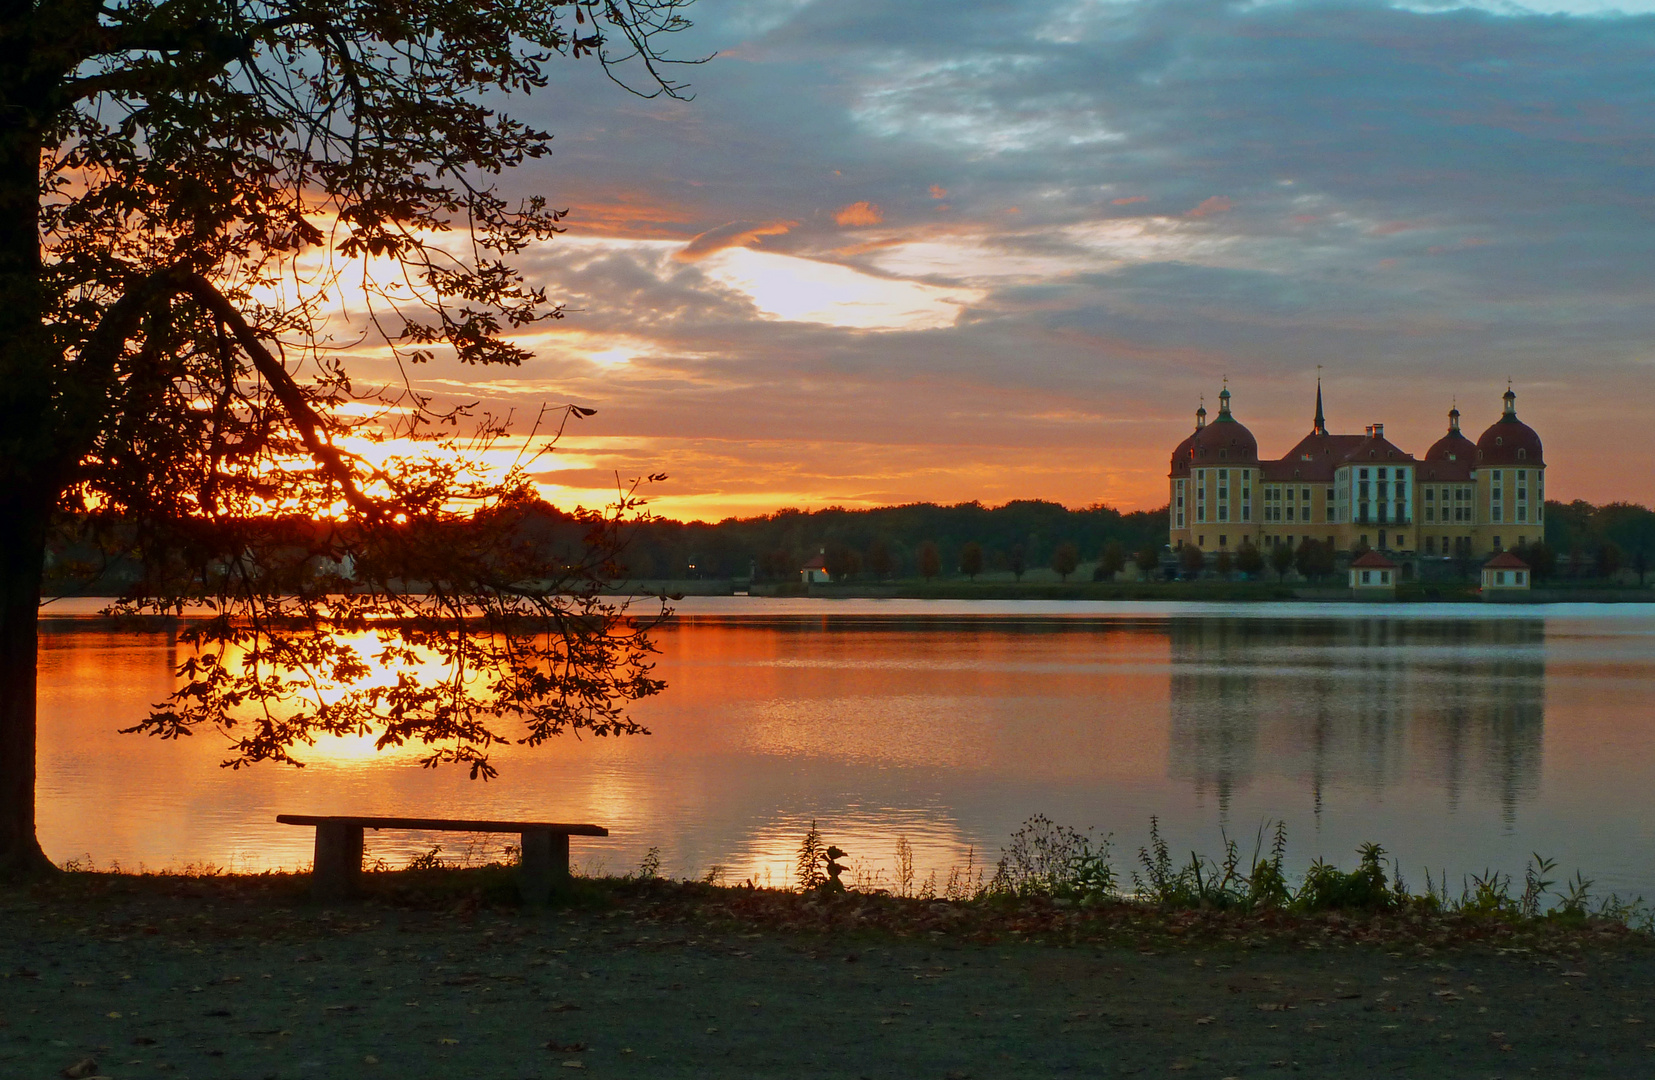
[(1509, 441), (1181, 454), (1453, 446), (1224, 441)]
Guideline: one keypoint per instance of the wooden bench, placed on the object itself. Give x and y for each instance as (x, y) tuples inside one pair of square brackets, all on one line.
[(337, 872)]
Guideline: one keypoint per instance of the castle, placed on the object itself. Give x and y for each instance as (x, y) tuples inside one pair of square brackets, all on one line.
[(1359, 491)]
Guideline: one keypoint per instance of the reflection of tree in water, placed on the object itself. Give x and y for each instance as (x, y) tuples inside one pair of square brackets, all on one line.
[(1373, 703)]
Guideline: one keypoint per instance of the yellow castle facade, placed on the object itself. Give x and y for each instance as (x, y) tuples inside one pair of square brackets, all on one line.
[(1463, 499)]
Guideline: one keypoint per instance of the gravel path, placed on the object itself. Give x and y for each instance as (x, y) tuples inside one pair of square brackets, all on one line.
[(196, 986)]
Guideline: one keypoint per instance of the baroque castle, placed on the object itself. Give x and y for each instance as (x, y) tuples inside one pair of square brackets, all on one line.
[(1359, 491)]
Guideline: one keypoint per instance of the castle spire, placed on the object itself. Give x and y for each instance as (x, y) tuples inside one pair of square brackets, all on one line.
[(1454, 418), (1511, 402), (1224, 400), (1201, 414), (1320, 425)]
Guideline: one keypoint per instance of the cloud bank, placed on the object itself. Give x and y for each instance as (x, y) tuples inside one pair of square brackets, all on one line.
[(945, 250)]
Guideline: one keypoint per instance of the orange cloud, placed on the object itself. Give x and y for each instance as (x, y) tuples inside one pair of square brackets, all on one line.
[(1215, 205), (734, 234), (859, 213), (938, 191), (1128, 200)]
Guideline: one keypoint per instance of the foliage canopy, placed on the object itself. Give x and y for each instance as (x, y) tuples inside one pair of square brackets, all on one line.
[(213, 214)]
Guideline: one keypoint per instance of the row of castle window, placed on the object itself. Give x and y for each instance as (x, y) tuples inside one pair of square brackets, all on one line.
[(1374, 496)]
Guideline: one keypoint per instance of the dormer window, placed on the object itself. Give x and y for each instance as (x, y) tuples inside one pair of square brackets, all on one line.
[(1223, 453), (1522, 455), (1499, 440)]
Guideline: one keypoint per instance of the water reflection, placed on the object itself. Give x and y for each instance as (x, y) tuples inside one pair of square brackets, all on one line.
[(1460, 742), (1375, 704)]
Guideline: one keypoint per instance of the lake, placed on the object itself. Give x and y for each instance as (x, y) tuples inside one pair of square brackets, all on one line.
[(1459, 737)]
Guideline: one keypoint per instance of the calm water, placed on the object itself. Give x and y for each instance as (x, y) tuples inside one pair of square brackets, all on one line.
[(1460, 738)]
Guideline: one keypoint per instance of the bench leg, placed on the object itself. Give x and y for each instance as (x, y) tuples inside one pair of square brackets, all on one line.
[(545, 868), (337, 872)]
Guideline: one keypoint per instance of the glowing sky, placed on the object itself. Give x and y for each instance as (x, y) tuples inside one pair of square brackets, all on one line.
[(949, 250)]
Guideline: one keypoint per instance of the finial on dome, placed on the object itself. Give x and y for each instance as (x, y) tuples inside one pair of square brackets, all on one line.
[(1224, 399), (1201, 414), (1511, 401), (1454, 417)]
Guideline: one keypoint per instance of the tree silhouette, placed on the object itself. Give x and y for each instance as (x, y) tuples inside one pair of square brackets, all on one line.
[(1224, 564), (878, 559), (971, 559), (930, 561), (1249, 560), (1148, 560), (1112, 561), (842, 561), (188, 192), (1018, 561), (1065, 559), (1281, 561)]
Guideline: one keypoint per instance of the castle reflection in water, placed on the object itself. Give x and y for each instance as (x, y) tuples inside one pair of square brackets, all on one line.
[(1373, 704)]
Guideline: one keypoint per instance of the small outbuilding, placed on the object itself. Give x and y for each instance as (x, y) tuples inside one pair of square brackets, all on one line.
[(815, 571), (1372, 577), (1506, 577)]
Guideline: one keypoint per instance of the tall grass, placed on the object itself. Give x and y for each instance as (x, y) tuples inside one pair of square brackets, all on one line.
[(1047, 860)]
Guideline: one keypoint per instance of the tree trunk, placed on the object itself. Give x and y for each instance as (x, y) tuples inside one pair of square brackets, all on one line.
[(22, 557), (30, 465)]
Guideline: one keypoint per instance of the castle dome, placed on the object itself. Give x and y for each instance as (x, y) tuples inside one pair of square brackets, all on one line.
[(1182, 453), (1453, 446), (1225, 441), (1509, 441)]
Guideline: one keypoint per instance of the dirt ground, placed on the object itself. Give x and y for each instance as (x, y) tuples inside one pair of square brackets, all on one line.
[(208, 982)]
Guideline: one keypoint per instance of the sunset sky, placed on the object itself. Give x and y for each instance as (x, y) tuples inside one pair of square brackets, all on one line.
[(945, 250)]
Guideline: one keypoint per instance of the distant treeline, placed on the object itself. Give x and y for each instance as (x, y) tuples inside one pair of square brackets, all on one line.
[(1583, 540), (891, 541), (919, 540)]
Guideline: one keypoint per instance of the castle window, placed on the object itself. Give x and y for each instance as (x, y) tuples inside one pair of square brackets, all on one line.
[(1430, 494), (1361, 474), (1496, 474), (1304, 496), (1498, 441), (1522, 455), (1223, 453)]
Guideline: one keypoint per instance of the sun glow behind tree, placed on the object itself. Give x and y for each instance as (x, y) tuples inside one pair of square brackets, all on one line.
[(209, 211)]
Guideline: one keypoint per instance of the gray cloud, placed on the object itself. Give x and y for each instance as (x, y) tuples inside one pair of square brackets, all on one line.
[(1426, 202)]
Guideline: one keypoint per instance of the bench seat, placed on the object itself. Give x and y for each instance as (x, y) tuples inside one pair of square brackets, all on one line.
[(337, 871)]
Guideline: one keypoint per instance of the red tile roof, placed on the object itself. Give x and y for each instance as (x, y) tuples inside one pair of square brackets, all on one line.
[(1372, 560), (1505, 560)]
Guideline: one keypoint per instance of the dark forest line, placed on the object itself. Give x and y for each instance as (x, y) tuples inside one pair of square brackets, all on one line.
[(1582, 540), (889, 541)]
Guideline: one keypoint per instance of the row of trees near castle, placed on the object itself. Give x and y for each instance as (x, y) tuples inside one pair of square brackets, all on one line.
[(927, 541)]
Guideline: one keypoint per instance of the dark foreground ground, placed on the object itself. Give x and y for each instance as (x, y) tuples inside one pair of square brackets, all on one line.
[(227, 978)]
